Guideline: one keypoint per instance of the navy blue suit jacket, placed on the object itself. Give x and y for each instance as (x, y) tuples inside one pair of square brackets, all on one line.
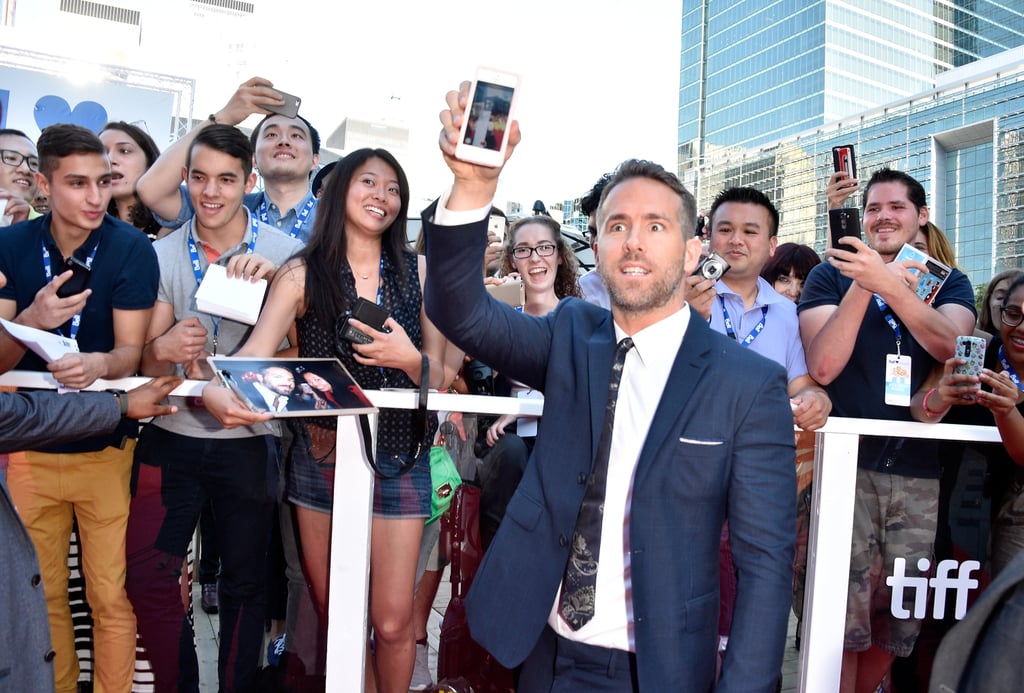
[(720, 446)]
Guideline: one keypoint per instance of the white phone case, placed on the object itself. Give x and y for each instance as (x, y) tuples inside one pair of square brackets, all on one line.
[(483, 135)]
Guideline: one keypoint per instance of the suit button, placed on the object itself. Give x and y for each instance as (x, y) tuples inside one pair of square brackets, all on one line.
[(582, 478), (639, 619), (36, 580), (562, 541), (48, 657)]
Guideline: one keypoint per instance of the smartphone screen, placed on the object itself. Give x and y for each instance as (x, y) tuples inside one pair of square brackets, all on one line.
[(488, 115), (482, 137)]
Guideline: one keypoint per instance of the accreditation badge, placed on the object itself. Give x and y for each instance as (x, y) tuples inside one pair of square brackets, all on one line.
[(897, 380)]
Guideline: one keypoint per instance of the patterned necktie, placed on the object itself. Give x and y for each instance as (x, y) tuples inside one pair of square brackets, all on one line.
[(580, 579)]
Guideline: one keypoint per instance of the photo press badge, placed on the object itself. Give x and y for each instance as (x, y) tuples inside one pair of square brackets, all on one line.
[(897, 380)]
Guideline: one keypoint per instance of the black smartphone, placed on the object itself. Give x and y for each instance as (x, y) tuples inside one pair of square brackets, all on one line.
[(844, 221), (79, 279), (290, 109), (843, 160), (369, 313)]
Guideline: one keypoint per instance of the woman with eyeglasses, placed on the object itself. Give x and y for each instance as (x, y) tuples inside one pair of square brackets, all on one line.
[(999, 393), (536, 251)]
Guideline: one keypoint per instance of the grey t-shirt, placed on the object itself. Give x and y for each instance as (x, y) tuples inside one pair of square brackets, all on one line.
[(178, 287)]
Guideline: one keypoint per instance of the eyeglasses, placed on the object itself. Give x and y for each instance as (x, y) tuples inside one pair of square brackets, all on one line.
[(1011, 316), (13, 159), (543, 250)]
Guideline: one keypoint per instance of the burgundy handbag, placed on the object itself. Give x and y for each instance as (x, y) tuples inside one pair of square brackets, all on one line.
[(462, 665)]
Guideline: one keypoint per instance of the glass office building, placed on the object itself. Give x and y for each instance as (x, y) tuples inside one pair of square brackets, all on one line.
[(767, 88), (754, 71)]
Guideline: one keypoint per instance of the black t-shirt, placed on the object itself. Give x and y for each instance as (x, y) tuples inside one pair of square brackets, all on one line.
[(859, 390)]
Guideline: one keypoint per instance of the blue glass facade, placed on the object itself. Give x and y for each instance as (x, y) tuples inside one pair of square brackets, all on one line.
[(755, 71), (768, 87)]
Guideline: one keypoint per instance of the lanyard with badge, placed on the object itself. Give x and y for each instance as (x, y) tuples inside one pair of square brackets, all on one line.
[(897, 366), (197, 267), (300, 218), (754, 333), (76, 321)]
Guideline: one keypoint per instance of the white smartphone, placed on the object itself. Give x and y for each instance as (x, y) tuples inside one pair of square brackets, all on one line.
[(496, 225), (492, 101)]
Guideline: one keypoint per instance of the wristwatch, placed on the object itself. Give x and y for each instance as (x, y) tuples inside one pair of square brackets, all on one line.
[(122, 400)]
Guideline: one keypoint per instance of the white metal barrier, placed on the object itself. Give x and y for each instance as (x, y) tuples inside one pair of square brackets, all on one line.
[(828, 560)]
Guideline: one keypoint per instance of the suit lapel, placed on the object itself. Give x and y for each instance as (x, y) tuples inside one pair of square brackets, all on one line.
[(675, 404)]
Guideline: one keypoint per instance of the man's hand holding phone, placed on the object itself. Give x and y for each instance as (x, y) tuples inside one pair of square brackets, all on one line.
[(49, 311), (475, 184), (255, 95)]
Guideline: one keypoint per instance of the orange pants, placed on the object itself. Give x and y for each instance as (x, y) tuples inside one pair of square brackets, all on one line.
[(49, 490)]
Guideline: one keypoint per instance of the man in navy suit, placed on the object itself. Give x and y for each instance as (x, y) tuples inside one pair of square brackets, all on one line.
[(702, 432)]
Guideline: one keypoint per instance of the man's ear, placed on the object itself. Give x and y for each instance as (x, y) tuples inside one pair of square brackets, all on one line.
[(42, 184), (693, 248), (184, 174), (922, 216), (250, 182), (316, 163), (773, 244)]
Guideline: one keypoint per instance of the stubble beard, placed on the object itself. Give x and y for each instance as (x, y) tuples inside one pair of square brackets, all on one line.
[(638, 301)]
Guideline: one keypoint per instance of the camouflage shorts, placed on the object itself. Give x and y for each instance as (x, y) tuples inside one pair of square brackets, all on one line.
[(894, 516), (1007, 536)]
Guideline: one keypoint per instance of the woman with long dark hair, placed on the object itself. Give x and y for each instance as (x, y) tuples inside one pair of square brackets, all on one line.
[(358, 250), (132, 151)]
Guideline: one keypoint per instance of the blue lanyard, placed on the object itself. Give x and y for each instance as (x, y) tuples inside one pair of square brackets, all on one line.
[(300, 218), (753, 334), (76, 321), (887, 314), (197, 267), (1009, 369)]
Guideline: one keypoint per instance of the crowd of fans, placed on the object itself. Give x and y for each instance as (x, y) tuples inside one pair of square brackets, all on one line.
[(147, 226)]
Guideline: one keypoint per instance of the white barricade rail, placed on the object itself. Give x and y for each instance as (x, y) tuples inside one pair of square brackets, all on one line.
[(828, 560)]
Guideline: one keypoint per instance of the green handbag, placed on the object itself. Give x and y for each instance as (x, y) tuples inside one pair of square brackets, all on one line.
[(444, 478)]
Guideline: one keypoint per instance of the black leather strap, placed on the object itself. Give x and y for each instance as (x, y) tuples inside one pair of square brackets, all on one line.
[(421, 421)]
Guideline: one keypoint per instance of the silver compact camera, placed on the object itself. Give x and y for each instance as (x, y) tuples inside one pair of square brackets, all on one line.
[(712, 267)]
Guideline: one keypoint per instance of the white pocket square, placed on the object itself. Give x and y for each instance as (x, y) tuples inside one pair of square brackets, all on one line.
[(695, 441)]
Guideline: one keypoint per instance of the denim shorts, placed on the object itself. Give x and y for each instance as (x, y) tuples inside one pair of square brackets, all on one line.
[(311, 479)]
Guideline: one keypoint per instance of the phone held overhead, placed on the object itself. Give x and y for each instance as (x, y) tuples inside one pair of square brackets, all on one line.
[(492, 100)]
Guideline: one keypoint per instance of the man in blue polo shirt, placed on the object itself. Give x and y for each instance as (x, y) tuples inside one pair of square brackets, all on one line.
[(87, 480), (745, 307), (286, 152)]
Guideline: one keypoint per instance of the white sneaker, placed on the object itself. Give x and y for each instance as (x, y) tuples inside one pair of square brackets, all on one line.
[(421, 678)]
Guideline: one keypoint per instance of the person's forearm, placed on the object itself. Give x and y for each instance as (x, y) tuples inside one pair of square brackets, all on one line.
[(153, 361), (11, 351), (1011, 428), (831, 348), (122, 362), (158, 188), (931, 328)]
